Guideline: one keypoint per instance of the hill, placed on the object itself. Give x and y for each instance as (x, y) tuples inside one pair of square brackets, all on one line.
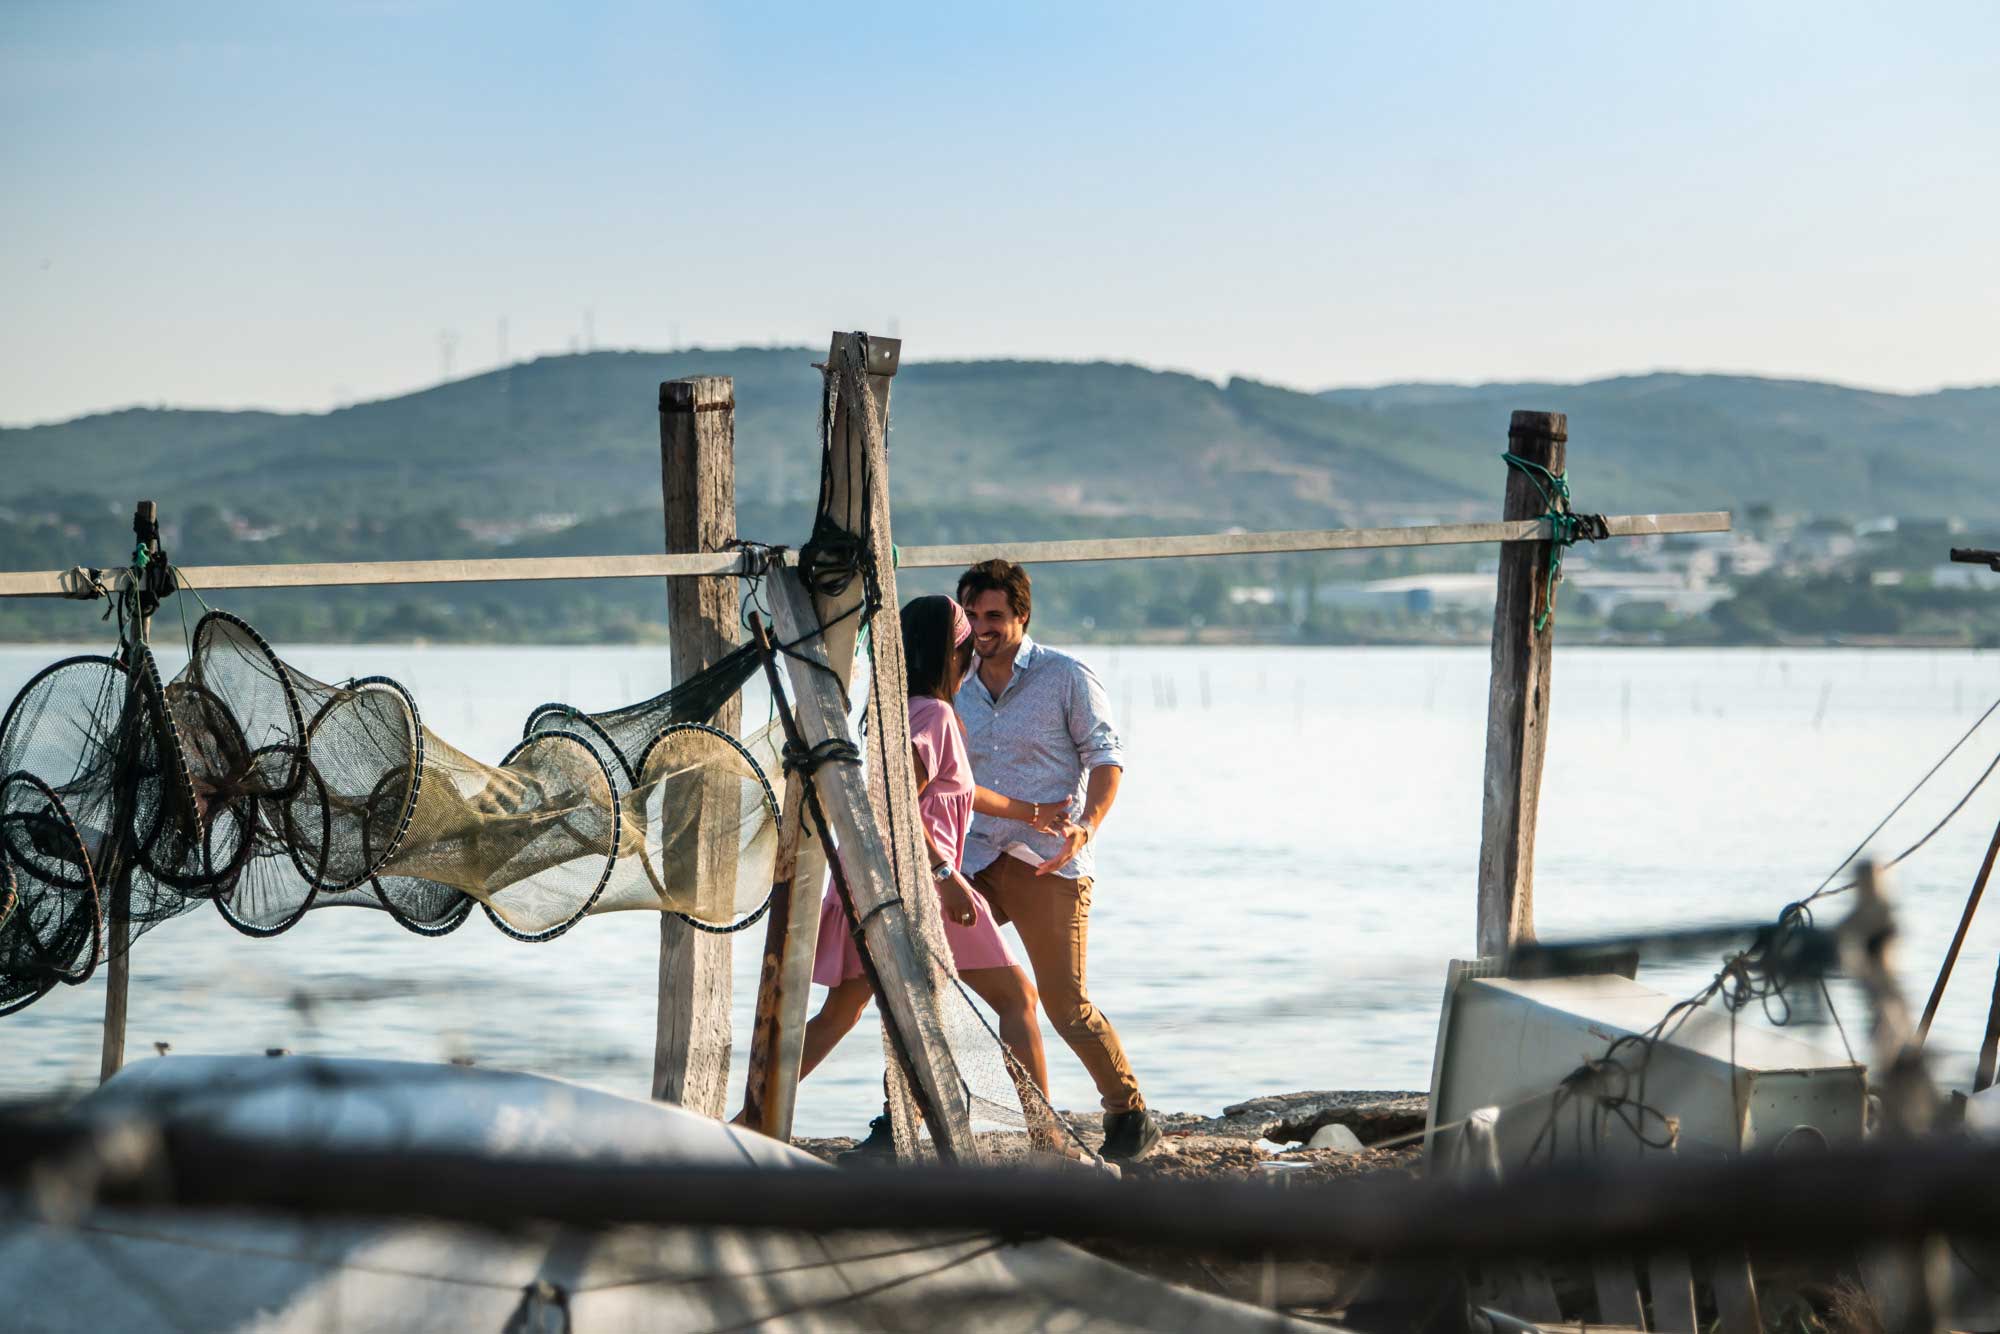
[(561, 455), (1705, 441), (578, 434)]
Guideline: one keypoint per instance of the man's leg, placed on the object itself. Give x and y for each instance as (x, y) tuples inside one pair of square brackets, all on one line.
[(1052, 915)]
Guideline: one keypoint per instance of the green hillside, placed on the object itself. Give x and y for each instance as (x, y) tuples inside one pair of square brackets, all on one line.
[(1703, 441), (578, 433), (561, 456)]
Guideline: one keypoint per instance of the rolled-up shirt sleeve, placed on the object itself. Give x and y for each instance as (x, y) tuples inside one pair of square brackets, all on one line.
[(1088, 714)]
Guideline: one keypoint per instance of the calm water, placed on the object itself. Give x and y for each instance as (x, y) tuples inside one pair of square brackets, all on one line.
[(1289, 867)]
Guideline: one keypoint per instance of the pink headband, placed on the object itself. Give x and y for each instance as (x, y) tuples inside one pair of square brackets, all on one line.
[(961, 628)]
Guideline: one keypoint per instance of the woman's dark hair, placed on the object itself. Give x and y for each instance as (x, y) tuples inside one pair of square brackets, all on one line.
[(930, 657), (999, 576)]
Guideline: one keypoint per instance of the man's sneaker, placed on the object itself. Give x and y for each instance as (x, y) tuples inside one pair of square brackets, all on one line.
[(879, 1147), (1127, 1135)]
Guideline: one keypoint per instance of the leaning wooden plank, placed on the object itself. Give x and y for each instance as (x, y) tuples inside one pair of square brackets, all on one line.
[(909, 991), (1328, 539), (861, 368), (70, 583), (778, 1037)]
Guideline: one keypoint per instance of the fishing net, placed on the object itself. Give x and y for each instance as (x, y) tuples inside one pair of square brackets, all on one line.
[(622, 735), (49, 915), (249, 783)]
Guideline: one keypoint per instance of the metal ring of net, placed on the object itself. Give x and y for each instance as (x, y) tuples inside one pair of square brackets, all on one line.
[(55, 930), (558, 817), (61, 727), (622, 735), (563, 718), (676, 753), (366, 745), (98, 733), (218, 761), (422, 907), (275, 886)]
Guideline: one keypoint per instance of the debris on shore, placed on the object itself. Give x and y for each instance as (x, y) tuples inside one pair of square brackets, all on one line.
[(1266, 1139), (1270, 1137)]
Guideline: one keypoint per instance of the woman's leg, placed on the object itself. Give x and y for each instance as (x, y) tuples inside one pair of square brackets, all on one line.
[(835, 1020), (1012, 997)]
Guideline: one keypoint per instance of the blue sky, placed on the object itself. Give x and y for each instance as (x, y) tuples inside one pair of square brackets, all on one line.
[(281, 204)]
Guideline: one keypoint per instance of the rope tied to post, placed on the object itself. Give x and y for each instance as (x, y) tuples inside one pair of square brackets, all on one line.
[(1566, 525)]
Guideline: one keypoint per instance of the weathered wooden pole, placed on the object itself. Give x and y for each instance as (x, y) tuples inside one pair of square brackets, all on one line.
[(778, 1036), (880, 857), (698, 485), (118, 929), (791, 930), (909, 994), (1517, 701)]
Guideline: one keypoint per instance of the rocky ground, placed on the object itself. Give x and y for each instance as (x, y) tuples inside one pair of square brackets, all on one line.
[(1262, 1139), (1265, 1137)]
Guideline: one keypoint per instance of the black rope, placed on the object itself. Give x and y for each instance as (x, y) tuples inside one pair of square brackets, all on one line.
[(872, 913), (805, 760), (759, 560)]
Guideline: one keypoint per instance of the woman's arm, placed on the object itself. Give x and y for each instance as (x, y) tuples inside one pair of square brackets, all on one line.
[(1042, 815), (956, 897)]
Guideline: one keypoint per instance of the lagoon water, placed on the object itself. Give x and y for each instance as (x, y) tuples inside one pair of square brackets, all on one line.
[(1289, 867)]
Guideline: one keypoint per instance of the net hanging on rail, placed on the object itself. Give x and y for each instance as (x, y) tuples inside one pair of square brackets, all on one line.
[(243, 781)]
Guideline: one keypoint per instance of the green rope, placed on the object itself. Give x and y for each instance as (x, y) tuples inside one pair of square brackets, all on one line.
[(1565, 525)]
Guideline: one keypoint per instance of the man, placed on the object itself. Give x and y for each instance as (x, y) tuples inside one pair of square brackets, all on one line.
[(1039, 729)]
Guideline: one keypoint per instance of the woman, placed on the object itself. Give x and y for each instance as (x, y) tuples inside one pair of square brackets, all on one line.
[(937, 653)]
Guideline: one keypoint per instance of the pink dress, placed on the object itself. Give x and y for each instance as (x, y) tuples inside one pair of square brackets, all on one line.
[(945, 807)]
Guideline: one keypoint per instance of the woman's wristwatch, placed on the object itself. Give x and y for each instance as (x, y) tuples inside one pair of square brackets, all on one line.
[(942, 872)]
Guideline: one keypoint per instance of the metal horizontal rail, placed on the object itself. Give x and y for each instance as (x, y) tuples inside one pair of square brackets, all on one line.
[(71, 583)]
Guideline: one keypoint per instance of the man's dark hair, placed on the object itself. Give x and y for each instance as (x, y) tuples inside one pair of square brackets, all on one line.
[(931, 660), (998, 576)]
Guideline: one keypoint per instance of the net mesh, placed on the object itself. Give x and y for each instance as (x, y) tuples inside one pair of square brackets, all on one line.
[(621, 736), (249, 783)]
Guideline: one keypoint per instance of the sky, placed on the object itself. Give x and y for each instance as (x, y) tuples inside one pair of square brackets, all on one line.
[(294, 206)]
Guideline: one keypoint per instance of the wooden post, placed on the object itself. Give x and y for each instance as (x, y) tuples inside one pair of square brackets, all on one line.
[(881, 859), (118, 930), (778, 1036), (698, 486), (768, 1097), (1517, 701)]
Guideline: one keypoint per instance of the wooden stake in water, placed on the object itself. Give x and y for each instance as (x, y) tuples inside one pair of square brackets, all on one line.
[(691, 1045), (1517, 702), (118, 930)]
